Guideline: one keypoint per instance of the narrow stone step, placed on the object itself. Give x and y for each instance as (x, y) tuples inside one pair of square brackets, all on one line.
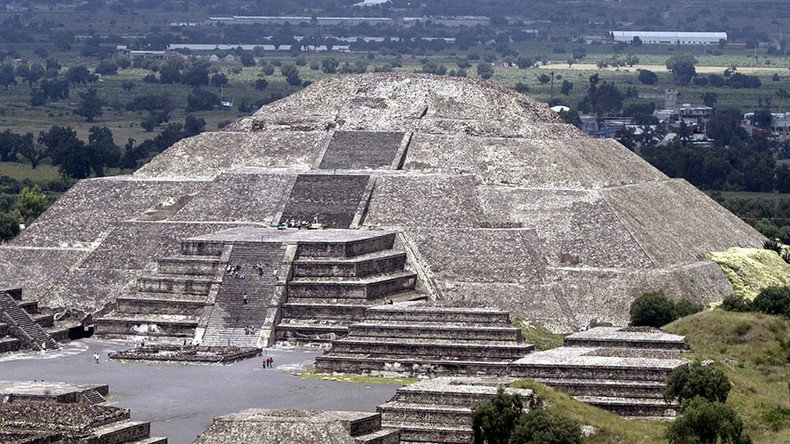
[(417, 313), (120, 432), (380, 262), (632, 406), (437, 349), (192, 285), (462, 332), (607, 388), (157, 305), (384, 436), (93, 397), (360, 364), (430, 433), (151, 440), (442, 415)]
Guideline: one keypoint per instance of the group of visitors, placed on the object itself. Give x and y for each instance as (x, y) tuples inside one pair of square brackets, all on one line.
[(249, 330), (235, 271), (268, 362), (299, 224)]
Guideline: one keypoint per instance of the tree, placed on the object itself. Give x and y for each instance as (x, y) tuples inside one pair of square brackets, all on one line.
[(773, 300), (695, 380), (90, 105), (571, 117), (686, 307), (106, 68), (170, 71), (636, 42), (602, 97), (652, 309), (261, 84), (542, 427), (219, 79), (485, 70), (329, 66), (66, 151), (30, 203), (9, 227), (682, 68), (7, 76), (78, 75), (736, 303), (246, 59), (195, 73), (32, 73), (202, 99), (103, 150), (566, 87), (647, 77), (524, 62), (193, 125), (544, 79), (710, 99), (291, 74), (493, 421), (30, 150), (705, 422)]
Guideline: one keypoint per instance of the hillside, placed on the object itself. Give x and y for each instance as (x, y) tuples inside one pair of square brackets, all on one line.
[(746, 346)]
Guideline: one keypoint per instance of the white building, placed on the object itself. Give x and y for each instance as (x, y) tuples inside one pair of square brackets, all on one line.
[(670, 38)]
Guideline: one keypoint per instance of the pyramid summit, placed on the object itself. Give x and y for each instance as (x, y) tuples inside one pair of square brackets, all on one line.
[(494, 201)]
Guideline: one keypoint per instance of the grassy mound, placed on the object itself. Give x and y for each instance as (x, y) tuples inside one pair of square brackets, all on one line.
[(751, 269), (752, 349), (541, 337)]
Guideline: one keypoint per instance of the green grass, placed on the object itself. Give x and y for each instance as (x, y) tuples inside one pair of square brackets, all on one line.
[(535, 334), (356, 379), (20, 171), (749, 270), (754, 361), (610, 428)]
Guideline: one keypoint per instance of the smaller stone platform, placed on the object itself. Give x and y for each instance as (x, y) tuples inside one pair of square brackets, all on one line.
[(33, 413), (440, 410), (298, 427), (620, 369), (16, 391), (196, 354), (424, 339)]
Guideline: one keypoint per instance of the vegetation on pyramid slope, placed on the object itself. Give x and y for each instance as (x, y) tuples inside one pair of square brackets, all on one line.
[(752, 269)]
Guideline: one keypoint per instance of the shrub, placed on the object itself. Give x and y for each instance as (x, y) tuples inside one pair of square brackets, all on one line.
[(542, 427), (9, 227), (736, 303), (773, 300), (685, 307), (647, 77), (652, 309), (493, 421), (695, 380), (707, 422)]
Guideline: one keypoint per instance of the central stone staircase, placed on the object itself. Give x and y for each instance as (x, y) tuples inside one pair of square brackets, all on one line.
[(416, 339), (439, 410), (332, 285), (22, 325), (169, 304), (230, 314)]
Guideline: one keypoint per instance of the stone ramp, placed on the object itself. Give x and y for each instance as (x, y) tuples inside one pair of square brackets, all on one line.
[(353, 150), (230, 314), (334, 197), (440, 410), (620, 369), (298, 427), (25, 326), (421, 339)]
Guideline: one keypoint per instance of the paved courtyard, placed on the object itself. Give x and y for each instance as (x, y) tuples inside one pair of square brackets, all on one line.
[(181, 400)]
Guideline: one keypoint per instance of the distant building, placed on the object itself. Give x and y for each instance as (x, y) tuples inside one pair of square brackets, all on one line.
[(448, 20), (141, 54), (695, 114), (295, 20), (670, 38), (780, 124)]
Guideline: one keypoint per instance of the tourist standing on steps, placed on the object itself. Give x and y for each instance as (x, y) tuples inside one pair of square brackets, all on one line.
[(244, 298), (96, 358)]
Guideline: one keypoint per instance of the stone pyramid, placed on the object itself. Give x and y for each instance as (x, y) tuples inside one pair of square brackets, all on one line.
[(495, 200)]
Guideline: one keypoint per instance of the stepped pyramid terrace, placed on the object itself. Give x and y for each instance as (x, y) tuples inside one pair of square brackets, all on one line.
[(385, 225)]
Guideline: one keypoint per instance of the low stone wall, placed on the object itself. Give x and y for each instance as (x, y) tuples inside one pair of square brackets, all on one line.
[(219, 355)]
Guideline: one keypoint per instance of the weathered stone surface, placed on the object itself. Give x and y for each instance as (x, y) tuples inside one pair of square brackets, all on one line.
[(296, 427), (498, 202)]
